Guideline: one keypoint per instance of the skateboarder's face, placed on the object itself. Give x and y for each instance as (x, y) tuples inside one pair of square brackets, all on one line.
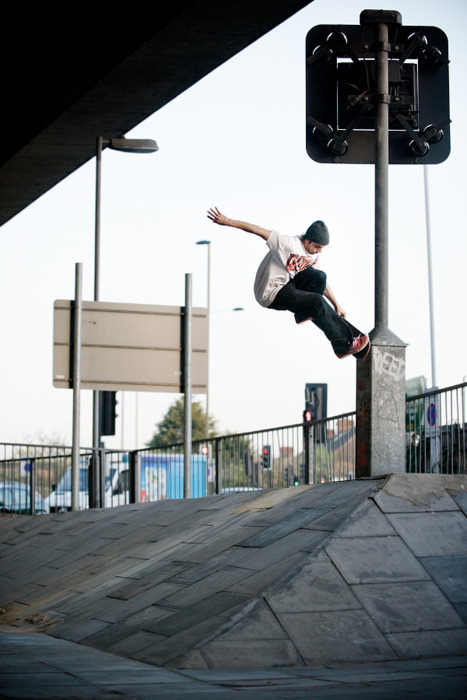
[(311, 247)]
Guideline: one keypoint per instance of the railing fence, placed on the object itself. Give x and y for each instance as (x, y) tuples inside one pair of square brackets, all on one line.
[(36, 479)]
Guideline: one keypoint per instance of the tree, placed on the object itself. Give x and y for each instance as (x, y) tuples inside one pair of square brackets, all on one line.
[(170, 429)]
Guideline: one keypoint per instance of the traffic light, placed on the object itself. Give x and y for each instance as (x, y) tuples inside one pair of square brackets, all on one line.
[(316, 407), (266, 457), (107, 412)]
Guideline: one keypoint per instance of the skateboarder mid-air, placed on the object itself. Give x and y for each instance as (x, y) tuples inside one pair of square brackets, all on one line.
[(287, 280)]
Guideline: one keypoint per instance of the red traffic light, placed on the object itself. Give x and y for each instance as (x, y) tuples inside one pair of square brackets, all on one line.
[(307, 416)]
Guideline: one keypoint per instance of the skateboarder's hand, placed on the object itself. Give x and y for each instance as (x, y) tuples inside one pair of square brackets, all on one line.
[(340, 311), (216, 217)]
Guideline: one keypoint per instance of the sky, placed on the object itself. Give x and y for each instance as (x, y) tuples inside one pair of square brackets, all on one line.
[(236, 140)]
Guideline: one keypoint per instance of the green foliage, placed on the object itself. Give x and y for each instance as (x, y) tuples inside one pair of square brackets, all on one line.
[(170, 429)]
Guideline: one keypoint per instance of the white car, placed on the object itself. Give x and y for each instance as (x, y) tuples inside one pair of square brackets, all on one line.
[(15, 498)]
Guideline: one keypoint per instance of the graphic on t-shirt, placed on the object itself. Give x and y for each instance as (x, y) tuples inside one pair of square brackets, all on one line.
[(297, 263)]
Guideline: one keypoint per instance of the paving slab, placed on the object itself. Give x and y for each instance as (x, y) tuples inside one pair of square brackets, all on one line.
[(296, 541), (192, 615), (407, 607), (318, 636), (80, 629), (460, 497), (205, 588), (251, 653), (316, 585), (297, 519), (163, 652), (450, 575), (430, 534), (413, 645), (405, 493), (261, 580), (374, 560), (367, 521), (256, 621)]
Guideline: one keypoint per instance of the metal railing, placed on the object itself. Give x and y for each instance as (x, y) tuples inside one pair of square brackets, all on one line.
[(436, 431), (30, 473), (37, 478)]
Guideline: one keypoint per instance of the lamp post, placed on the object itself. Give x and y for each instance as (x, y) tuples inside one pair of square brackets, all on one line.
[(129, 146), (208, 244), (237, 308)]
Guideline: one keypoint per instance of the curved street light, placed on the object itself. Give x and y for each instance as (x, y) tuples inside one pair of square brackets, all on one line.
[(126, 146)]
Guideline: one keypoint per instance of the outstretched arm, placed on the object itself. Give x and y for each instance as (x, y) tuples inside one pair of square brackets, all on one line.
[(328, 293), (218, 218)]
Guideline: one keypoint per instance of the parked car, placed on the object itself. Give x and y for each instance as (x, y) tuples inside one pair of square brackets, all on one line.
[(15, 497), (116, 488), (59, 499)]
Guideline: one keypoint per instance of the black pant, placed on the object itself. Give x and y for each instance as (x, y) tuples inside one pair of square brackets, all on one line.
[(303, 295)]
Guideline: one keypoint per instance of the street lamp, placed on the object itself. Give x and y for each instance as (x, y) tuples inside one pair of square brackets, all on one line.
[(208, 244), (209, 312), (127, 146)]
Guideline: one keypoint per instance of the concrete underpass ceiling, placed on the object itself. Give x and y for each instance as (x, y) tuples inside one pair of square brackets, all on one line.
[(68, 79)]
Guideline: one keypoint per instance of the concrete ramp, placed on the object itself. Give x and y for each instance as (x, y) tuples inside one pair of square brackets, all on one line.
[(358, 571)]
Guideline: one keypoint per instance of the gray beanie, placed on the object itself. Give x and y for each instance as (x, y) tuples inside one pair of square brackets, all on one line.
[(318, 233)]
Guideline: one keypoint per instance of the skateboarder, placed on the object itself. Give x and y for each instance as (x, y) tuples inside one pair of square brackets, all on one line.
[(287, 280)]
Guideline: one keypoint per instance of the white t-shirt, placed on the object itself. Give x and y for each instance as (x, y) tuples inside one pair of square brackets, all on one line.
[(287, 256)]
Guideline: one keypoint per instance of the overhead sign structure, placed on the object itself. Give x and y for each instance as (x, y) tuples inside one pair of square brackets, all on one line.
[(342, 95), (378, 93), (130, 347)]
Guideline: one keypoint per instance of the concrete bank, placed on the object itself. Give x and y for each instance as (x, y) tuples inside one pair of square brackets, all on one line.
[(339, 573)]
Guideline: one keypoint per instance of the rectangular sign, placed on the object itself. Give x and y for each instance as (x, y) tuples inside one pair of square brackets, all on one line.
[(130, 347)]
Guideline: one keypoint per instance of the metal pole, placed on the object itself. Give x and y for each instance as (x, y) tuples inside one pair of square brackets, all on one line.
[(122, 434), (209, 320), (75, 451), (430, 276), (380, 436), (137, 476), (187, 385), (218, 463), (94, 475), (32, 485), (136, 419), (381, 179), (97, 229)]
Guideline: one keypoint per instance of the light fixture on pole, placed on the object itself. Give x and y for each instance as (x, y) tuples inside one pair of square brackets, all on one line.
[(129, 146), (208, 244)]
